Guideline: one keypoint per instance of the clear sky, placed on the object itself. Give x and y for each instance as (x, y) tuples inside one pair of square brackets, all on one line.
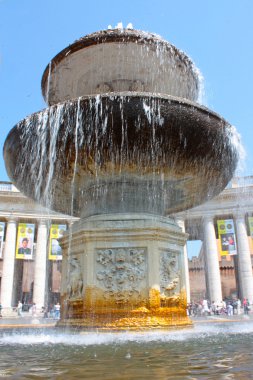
[(216, 34)]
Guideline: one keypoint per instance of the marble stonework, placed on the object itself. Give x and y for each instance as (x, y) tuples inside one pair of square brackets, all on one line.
[(123, 266)]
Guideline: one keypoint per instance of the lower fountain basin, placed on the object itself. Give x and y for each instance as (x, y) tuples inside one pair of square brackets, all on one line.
[(121, 152), (221, 350)]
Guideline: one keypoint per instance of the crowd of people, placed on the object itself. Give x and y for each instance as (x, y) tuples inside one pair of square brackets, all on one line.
[(51, 312), (226, 307)]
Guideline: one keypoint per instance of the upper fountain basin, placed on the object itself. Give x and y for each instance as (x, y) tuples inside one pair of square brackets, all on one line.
[(119, 60), (124, 152)]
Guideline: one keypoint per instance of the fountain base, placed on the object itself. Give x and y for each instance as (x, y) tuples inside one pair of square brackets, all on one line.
[(138, 319), (123, 271)]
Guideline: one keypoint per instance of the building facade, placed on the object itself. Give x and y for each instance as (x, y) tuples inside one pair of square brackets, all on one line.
[(30, 263)]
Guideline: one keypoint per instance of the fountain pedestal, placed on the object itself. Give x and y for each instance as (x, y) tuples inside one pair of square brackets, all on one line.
[(124, 271)]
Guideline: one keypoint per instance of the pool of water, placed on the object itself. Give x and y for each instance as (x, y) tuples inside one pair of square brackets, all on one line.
[(206, 351)]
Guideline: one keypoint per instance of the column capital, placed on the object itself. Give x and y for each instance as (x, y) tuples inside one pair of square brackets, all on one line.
[(42, 221), (239, 214), (208, 218), (70, 223), (12, 219), (179, 219)]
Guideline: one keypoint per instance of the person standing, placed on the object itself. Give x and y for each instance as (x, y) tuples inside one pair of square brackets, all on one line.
[(230, 309), (206, 310), (57, 308), (239, 305), (34, 310), (245, 306), (19, 308)]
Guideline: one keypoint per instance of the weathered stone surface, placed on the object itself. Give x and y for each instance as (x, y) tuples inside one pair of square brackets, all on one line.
[(119, 60), (121, 153), (124, 271)]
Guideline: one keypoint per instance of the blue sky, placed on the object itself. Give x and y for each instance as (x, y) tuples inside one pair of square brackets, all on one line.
[(217, 34)]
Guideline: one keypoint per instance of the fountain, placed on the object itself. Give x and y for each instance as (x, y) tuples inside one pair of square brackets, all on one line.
[(123, 145)]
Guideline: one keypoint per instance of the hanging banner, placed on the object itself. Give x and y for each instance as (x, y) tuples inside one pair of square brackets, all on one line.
[(250, 219), (226, 233), (2, 228), (25, 238), (56, 232)]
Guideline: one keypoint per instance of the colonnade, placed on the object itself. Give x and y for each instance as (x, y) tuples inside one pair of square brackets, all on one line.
[(213, 278), (9, 264), (212, 269)]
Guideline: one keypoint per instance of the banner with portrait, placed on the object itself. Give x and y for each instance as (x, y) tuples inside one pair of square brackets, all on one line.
[(226, 233), (250, 219), (56, 232), (2, 228), (25, 239)]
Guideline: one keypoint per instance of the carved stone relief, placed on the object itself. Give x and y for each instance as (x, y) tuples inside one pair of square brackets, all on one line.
[(121, 272), (75, 283), (169, 274)]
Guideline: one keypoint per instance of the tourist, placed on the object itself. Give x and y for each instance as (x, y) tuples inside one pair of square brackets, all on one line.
[(213, 308), (235, 306), (239, 305), (205, 307), (19, 308), (246, 307), (218, 307), (192, 309), (34, 310), (230, 309), (57, 308), (44, 311), (1, 310)]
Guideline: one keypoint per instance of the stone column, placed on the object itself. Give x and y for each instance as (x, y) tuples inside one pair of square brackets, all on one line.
[(212, 261), (8, 264), (40, 265), (181, 224), (244, 259)]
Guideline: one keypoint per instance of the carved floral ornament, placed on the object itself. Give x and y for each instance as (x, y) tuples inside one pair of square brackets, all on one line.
[(121, 272)]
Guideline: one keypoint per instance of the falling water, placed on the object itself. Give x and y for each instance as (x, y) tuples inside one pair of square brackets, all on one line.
[(123, 135), (86, 130)]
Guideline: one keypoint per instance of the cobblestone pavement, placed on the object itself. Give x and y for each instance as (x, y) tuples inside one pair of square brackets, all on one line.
[(27, 321), (223, 318)]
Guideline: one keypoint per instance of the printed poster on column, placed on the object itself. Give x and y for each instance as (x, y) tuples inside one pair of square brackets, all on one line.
[(2, 228), (250, 219), (25, 239), (226, 233), (56, 232)]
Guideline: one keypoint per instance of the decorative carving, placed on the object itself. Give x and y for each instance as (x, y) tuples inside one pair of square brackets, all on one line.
[(122, 273), (105, 256), (75, 285), (169, 274)]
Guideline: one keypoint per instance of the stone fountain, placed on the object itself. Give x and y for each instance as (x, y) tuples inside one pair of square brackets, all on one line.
[(123, 145)]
